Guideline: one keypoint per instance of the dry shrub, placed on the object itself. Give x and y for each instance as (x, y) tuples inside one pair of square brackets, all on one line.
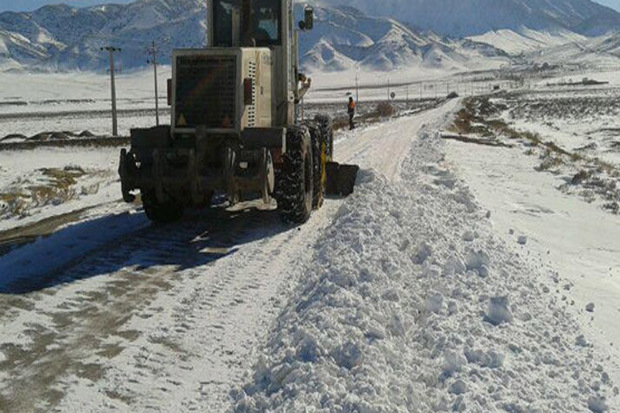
[(385, 109)]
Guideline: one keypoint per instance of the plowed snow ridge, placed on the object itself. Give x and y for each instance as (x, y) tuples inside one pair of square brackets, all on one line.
[(414, 305)]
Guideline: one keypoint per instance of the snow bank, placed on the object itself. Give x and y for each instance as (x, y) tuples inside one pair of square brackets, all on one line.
[(36, 263), (414, 305)]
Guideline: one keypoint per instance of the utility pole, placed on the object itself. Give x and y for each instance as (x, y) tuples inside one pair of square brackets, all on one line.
[(153, 52), (111, 50), (357, 88), (388, 84)]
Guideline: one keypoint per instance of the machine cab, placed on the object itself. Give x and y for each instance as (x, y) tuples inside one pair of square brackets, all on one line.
[(247, 77)]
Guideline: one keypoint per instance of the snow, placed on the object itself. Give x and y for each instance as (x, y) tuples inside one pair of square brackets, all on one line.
[(78, 101), (21, 170), (576, 243), (474, 17), (578, 119), (455, 278), (402, 297), (526, 40), (498, 311), (42, 258), (367, 328)]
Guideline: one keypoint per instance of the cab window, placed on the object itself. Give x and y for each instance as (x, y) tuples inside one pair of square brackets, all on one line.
[(260, 22), (267, 15), (223, 22)]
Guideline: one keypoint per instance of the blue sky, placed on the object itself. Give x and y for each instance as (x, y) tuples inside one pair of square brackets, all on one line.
[(19, 5)]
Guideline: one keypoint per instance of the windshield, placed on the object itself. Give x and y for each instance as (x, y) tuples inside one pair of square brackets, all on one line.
[(223, 22), (267, 22), (259, 22)]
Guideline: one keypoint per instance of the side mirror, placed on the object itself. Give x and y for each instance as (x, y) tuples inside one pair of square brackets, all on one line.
[(308, 22)]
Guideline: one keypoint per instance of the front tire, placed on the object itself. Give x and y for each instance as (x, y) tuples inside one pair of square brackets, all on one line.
[(296, 181), (160, 212), (326, 125)]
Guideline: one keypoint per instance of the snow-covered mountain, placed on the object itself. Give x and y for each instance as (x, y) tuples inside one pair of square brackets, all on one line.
[(59, 36), (62, 37), (474, 17), (344, 38), (527, 40), (608, 44)]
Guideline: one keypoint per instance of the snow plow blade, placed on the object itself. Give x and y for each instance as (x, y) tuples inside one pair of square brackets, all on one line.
[(341, 179)]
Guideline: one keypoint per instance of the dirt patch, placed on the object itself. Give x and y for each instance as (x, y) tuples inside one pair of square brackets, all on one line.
[(110, 351), (484, 142), (17, 237), (115, 395), (39, 353), (80, 142)]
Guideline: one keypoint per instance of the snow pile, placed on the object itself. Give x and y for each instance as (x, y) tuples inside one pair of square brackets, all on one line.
[(37, 263), (413, 305)]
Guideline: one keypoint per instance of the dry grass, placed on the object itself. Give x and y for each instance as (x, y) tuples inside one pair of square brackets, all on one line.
[(341, 123), (480, 117), (385, 109), (57, 186), (550, 161)]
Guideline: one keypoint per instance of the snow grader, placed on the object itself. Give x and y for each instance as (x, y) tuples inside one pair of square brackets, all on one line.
[(235, 127)]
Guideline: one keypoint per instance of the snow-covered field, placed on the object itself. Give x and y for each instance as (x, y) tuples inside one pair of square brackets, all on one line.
[(78, 101), (456, 278), (46, 182), (582, 120), (577, 243)]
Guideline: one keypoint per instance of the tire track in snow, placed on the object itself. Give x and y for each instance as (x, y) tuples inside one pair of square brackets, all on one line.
[(98, 297), (385, 151)]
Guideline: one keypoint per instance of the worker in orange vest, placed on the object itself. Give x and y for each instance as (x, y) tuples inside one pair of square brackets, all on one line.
[(351, 111)]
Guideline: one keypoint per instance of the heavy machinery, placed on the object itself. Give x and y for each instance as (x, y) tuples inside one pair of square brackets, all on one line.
[(234, 126)]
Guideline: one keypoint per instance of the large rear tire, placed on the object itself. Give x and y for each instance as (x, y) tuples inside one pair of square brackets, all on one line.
[(160, 212), (319, 160), (295, 184)]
